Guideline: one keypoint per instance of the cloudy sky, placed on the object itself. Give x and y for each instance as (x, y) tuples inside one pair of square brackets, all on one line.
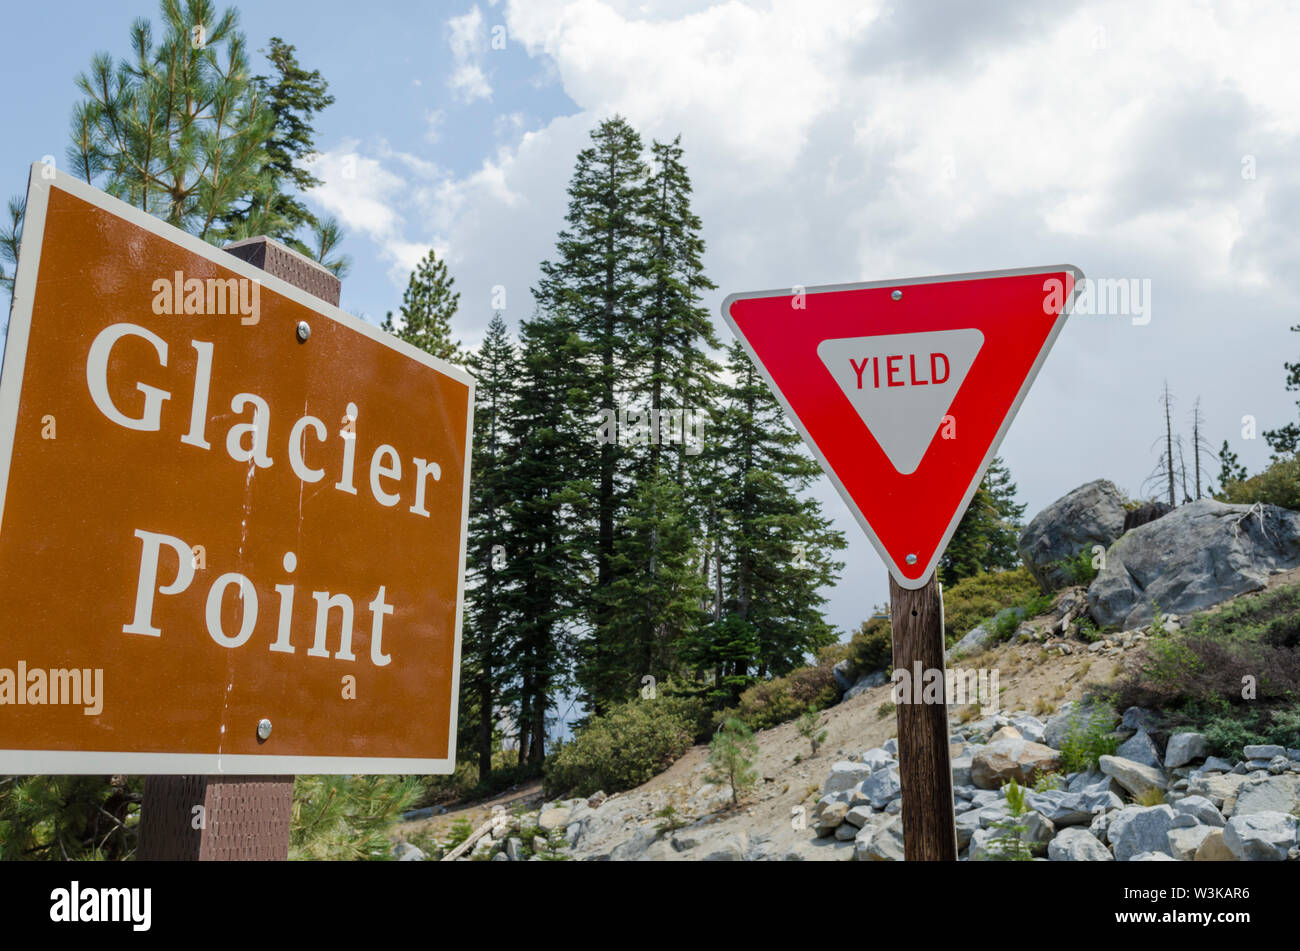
[(828, 141)]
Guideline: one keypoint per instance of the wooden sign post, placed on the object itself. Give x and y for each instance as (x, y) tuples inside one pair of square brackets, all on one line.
[(903, 391)]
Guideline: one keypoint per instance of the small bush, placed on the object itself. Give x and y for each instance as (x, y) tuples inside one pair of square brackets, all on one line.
[(1279, 484), (1088, 738), (974, 600), (624, 748), (782, 699), (871, 648), (1079, 569), (731, 756), (344, 818)]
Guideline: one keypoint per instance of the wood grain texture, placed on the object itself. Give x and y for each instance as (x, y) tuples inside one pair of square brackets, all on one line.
[(929, 830)]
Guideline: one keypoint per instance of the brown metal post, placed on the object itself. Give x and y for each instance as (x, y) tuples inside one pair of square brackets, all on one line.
[(929, 830), (223, 818)]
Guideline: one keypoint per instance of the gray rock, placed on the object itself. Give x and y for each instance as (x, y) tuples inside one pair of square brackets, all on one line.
[(1093, 777), (890, 746), (858, 816), (1272, 794), (1216, 764), (1261, 836), (829, 819), (1139, 718), (515, 849), (1077, 845), (1031, 728), (1184, 842), (971, 642), (1200, 810), (961, 770), (877, 758), (1073, 716), (882, 787), (1099, 828), (731, 848), (500, 857), (406, 852), (1279, 765), (1153, 857), (1012, 758), (1219, 788), (880, 843), (1140, 748), (1264, 751), (841, 674), (844, 776), (846, 832), (1072, 809), (981, 841), (1092, 514), (1135, 777), (1198, 555), (1138, 829), (967, 824), (866, 682), (1183, 748), (894, 808)]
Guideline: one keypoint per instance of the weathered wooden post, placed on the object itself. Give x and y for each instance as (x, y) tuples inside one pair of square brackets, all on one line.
[(235, 818)]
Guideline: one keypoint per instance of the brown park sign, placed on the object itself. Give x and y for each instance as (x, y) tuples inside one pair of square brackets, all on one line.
[(210, 526)]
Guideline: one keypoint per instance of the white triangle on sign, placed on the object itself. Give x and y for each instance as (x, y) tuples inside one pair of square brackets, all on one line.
[(902, 384)]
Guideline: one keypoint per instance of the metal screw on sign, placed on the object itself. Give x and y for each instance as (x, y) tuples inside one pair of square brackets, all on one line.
[(304, 331), (897, 295), (263, 728), (911, 559)]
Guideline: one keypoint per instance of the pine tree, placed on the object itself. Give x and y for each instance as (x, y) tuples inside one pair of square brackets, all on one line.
[(655, 599), (1230, 470), (987, 536), (179, 129), (731, 755), (428, 305), (483, 650), (1285, 440), (775, 546), (673, 367), (594, 284), (548, 510)]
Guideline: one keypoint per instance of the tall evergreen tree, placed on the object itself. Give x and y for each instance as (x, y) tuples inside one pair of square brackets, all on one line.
[(655, 600), (776, 546), (428, 305), (987, 536), (594, 283), (548, 571), (483, 653), (179, 129), (674, 367)]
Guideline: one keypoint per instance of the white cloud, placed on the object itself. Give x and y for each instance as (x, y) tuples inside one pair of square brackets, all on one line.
[(467, 39), (840, 140)]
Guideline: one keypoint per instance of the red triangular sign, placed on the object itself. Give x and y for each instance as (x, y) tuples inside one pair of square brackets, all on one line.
[(904, 389)]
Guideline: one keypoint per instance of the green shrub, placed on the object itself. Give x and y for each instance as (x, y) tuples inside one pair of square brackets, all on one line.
[(1279, 484), (343, 818), (974, 600), (782, 699), (871, 648), (1088, 738), (731, 756), (622, 749), (1079, 569), (1008, 844)]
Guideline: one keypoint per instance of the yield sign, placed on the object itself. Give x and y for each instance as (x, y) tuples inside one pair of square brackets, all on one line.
[(904, 389)]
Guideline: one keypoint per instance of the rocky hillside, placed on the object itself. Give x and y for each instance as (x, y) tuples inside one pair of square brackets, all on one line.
[(1128, 790)]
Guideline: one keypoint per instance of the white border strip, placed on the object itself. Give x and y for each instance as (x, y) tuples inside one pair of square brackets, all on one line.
[(41, 178), (1057, 325)]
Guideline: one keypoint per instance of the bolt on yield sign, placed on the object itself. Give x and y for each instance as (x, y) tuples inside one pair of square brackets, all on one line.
[(232, 513), (904, 389)]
